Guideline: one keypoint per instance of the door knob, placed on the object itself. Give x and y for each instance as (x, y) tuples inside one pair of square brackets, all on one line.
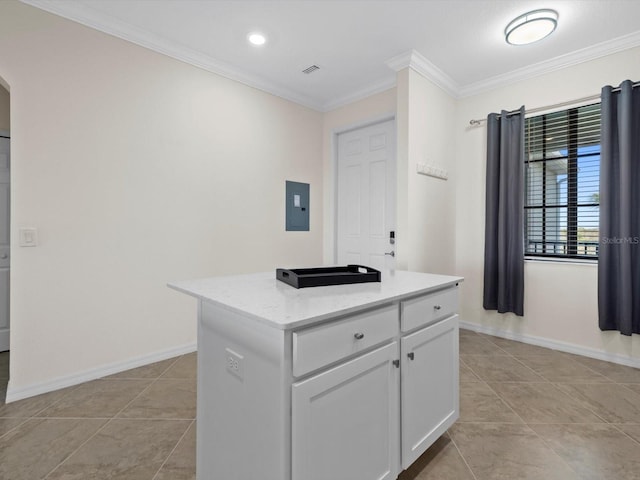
[(391, 253)]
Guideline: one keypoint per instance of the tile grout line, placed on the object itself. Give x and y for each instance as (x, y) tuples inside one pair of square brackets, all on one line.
[(526, 424), (549, 446), (495, 345), (24, 420), (555, 384), (480, 380), (616, 426), (174, 448), (462, 457), (534, 432), (186, 419), (592, 370), (529, 368), (35, 414), (109, 420), (626, 386), (72, 389), (546, 444), (603, 422), (507, 404), (3, 390), (545, 380)]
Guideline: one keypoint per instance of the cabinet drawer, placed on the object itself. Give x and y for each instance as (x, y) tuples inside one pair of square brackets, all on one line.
[(315, 347), (429, 308)]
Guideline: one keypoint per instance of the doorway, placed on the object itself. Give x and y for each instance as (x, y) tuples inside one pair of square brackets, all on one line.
[(5, 257), (366, 196)]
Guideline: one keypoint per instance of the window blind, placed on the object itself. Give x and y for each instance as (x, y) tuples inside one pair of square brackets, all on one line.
[(562, 173)]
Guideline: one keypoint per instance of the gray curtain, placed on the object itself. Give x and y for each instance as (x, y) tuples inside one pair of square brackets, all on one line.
[(504, 220), (619, 253)]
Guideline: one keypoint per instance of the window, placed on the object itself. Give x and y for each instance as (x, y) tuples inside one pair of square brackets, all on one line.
[(562, 173)]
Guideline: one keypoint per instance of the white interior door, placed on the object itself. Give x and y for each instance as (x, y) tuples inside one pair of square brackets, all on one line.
[(4, 240), (366, 203)]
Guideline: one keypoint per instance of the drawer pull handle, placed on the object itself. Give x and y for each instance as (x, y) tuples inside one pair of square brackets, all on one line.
[(410, 355), (437, 307), (358, 336)]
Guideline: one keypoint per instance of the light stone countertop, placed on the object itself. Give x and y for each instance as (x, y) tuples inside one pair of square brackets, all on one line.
[(261, 297)]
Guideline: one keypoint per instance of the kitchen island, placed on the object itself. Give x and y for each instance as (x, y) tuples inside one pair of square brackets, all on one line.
[(346, 382)]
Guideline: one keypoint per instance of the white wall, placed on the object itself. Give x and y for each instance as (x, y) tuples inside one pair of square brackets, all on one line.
[(426, 211), (560, 299), (4, 109), (136, 169), (371, 109), (426, 206)]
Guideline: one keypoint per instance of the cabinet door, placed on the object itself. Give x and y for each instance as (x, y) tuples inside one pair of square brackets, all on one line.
[(345, 421), (429, 386)]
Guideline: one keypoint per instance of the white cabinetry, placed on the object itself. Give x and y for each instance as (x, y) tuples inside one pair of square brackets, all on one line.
[(345, 420), (429, 386), (319, 346), (343, 383)]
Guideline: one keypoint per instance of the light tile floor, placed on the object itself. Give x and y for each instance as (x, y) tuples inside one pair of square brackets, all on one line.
[(527, 413)]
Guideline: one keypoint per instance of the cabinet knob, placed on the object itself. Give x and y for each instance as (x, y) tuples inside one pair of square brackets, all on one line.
[(396, 363), (410, 355), (358, 336), (437, 307)]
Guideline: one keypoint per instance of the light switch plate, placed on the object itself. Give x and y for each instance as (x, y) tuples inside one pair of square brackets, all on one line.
[(28, 237)]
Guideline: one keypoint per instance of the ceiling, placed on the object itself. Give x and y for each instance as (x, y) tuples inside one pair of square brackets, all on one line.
[(459, 43)]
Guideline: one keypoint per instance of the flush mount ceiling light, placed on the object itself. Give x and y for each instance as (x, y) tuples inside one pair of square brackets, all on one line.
[(531, 27), (257, 39)]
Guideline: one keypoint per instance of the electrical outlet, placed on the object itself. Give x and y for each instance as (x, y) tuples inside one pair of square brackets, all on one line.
[(28, 237), (234, 363)]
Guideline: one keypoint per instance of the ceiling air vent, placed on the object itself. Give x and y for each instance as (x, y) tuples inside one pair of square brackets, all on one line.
[(311, 69)]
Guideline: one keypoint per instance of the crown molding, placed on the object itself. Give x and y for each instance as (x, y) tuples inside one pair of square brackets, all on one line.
[(76, 12), (360, 94), (424, 67), (563, 61)]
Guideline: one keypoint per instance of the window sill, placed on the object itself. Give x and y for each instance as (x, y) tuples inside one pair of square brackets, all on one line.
[(563, 261)]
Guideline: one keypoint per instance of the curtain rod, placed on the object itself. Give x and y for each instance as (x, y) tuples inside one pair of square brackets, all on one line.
[(548, 107)]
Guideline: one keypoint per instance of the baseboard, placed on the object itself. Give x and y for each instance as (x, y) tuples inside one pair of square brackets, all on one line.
[(14, 394), (555, 345)]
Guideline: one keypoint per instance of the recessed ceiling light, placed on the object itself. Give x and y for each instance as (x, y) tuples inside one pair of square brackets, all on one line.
[(531, 27), (257, 39)]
